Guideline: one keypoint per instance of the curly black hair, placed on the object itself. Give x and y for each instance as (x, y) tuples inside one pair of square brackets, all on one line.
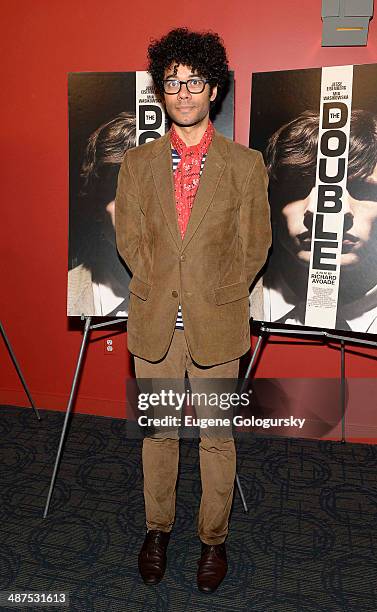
[(204, 52)]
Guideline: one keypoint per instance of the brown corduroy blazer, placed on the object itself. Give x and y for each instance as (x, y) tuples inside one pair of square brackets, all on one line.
[(210, 271)]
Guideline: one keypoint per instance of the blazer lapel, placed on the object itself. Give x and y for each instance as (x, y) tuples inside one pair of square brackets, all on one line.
[(213, 169), (162, 170), (163, 178)]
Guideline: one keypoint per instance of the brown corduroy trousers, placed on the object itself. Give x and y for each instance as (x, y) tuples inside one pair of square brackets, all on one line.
[(161, 451)]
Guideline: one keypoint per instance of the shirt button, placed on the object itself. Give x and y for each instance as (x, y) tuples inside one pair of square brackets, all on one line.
[(174, 293)]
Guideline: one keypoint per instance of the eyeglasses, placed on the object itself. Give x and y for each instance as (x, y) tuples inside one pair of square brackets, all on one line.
[(194, 86)]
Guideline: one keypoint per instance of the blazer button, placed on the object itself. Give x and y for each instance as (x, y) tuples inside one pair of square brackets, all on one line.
[(183, 258), (174, 293)]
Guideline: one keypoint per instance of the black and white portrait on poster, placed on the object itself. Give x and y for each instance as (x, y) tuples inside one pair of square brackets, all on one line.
[(109, 113), (317, 130)]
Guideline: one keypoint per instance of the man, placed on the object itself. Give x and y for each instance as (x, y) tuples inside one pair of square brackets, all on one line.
[(192, 224), (98, 285), (291, 157)]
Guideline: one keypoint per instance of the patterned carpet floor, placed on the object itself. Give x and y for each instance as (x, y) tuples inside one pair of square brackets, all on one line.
[(308, 543)]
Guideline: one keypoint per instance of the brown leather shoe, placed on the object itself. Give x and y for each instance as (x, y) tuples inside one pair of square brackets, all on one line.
[(213, 566), (152, 556)]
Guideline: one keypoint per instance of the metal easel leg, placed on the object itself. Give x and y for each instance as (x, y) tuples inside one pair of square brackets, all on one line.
[(252, 360), (240, 491), (253, 357), (68, 410), (18, 369), (343, 390)]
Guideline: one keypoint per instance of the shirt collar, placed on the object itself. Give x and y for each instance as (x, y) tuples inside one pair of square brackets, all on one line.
[(105, 301)]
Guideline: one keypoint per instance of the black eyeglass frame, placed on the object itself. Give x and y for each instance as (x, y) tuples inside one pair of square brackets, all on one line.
[(169, 93)]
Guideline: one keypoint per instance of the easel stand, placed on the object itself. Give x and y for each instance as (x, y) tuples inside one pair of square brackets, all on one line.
[(88, 327), (18, 370), (265, 331)]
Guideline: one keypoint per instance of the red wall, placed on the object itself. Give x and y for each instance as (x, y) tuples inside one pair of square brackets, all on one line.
[(43, 40)]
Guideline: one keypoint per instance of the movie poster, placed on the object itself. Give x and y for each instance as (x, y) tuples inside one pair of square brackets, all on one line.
[(317, 130), (109, 112)]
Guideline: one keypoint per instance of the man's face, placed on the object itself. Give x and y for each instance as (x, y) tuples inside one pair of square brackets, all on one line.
[(109, 227), (184, 108), (105, 201), (360, 222)]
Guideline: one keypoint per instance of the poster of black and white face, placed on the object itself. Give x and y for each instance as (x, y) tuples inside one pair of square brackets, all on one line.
[(317, 130), (109, 113)]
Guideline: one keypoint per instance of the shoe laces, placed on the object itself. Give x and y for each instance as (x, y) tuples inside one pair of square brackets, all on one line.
[(155, 537)]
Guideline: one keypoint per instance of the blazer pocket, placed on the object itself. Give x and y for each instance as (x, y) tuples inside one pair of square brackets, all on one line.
[(231, 293), (139, 288)]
